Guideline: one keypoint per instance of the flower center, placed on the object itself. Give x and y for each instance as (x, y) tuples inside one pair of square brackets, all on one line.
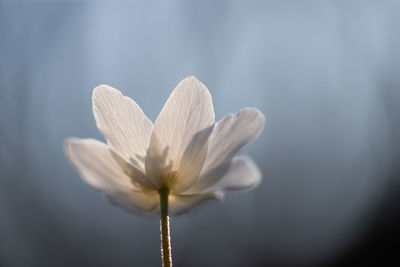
[(169, 179)]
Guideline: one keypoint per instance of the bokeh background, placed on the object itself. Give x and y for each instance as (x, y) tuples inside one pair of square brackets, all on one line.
[(325, 74)]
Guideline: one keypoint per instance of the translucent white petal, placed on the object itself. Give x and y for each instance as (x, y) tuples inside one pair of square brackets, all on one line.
[(180, 204), (138, 178), (187, 111), (96, 166), (145, 203), (156, 164), (123, 124), (161, 171), (192, 161), (241, 173), (231, 134)]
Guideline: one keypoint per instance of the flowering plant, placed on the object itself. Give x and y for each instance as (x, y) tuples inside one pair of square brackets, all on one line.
[(173, 165)]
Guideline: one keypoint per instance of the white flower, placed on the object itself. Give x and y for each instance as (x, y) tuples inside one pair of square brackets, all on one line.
[(184, 150)]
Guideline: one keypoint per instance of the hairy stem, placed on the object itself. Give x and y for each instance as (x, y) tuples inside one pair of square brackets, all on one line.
[(164, 227)]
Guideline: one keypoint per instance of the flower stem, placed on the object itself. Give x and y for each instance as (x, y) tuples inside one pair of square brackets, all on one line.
[(164, 227)]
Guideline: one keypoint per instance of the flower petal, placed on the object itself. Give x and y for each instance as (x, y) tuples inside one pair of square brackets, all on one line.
[(231, 134), (96, 166), (123, 124), (241, 173), (156, 162), (138, 178), (180, 204), (192, 160), (160, 170), (145, 203), (188, 110)]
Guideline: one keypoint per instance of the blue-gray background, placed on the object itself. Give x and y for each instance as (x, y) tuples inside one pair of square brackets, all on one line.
[(325, 74)]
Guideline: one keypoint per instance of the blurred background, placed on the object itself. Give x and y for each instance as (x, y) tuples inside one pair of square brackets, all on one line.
[(325, 74)]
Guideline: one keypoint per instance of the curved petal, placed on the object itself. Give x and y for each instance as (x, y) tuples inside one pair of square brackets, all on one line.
[(180, 204), (192, 160), (96, 166), (241, 173), (188, 110), (231, 134), (145, 203), (123, 124)]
